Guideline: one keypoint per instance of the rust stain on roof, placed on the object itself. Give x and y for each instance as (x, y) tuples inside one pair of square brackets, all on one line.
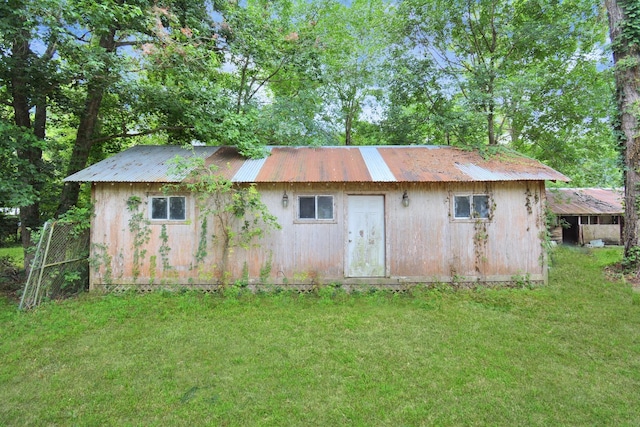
[(442, 163), (227, 161), (431, 165), (309, 164), (585, 201)]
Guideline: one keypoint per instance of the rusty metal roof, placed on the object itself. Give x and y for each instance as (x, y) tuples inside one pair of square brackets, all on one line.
[(315, 164), (585, 201), (323, 164)]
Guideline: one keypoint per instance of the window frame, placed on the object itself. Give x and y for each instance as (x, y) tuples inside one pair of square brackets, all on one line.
[(167, 219), (472, 211), (315, 220)]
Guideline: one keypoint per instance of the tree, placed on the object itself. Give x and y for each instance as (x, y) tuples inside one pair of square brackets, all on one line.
[(421, 111), (355, 58), (29, 79), (87, 60), (479, 57), (109, 28), (624, 27), (270, 73), (563, 119)]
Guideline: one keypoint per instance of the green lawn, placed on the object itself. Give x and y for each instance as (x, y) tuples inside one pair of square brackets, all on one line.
[(564, 354)]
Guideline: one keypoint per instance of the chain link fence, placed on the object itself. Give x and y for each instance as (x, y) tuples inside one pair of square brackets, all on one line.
[(60, 266)]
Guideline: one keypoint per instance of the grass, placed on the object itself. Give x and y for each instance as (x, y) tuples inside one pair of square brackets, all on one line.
[(564, 354)]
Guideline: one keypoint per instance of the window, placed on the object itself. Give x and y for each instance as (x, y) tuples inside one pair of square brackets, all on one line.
[(315, 207), (172, 208), (466, 207)]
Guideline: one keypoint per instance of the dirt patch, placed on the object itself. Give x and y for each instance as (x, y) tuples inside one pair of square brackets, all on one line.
[(12, 279), (616, 272)]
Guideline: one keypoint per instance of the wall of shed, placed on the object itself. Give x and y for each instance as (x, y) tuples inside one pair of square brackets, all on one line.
[(423, 241), (581, 234), (608, 233)]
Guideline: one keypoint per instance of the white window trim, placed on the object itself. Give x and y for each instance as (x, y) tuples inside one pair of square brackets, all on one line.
[(316, 220), (167, 220), (470, 218)]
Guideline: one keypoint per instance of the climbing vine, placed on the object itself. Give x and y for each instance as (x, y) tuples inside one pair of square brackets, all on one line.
[(527, 203), (480, 233), (201, 252), (265, 270), (99, 258), (480, 239), (139, 228), (629, 28), (238, 217), (164, 248)]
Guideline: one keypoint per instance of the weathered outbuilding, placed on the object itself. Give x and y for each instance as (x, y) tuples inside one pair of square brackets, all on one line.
[(587, 214), (384, 215)]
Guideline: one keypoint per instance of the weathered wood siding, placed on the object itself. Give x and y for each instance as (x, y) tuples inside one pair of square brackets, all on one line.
[(424, 243), (427, 241)]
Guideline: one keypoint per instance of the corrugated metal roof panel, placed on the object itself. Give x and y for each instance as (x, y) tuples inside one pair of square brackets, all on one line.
[(478, 173), (142, 163), (376, 166), (324, 164), (314, 164), (421, 164), (249, 171), (585, 201), (443, 163), (226, 161)]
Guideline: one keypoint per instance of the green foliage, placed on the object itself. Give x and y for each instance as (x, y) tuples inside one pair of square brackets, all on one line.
[(9, 229), (164, 248), (16, 188), (271, 54), (522, 281), (509, 73), (201, 252), (355, 59), (631, 259), (265, 270), (71, 280), (79, 217), (101, 259), (238, 129), (12, 275), (133, 203), (15, 253), (293, 120), (629, 28)]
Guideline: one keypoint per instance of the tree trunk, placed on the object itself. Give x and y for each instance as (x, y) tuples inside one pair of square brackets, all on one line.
[(491, 126), (86, 128), (348, 124), (626, 58), (20, 52), (350, 110)]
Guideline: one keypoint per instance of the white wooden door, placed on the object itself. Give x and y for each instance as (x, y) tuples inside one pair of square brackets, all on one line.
[(365, 236)]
